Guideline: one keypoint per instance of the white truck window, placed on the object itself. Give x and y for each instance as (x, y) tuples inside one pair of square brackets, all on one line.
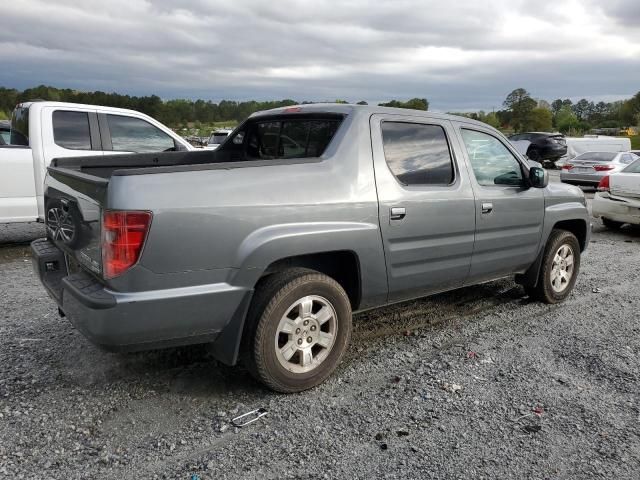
[(129, 134), (71, 130)]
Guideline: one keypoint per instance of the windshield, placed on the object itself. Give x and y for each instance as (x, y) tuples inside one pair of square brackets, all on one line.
[(20, 127), (597, 156)]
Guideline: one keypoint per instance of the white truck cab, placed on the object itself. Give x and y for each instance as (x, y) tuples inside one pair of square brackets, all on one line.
[(42, 131)]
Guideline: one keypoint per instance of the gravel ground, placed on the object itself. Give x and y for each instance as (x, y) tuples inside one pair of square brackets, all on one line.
[(478, 383)]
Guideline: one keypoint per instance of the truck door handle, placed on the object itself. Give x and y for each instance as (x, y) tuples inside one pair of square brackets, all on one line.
[(398, 213), (487, 207)]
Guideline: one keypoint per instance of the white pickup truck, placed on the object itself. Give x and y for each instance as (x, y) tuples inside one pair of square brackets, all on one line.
[(42, 131)]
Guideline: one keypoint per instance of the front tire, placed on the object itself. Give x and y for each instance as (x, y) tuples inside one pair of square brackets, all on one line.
[(300, 326), (559, 269)]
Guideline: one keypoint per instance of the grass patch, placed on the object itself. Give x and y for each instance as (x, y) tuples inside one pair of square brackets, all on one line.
[(635, 142)]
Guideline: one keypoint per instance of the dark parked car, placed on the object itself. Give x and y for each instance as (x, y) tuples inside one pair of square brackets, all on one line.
[(545, 147), (5, 132)]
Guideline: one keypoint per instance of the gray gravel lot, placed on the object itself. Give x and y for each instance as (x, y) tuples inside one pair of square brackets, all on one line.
[(477, 383)]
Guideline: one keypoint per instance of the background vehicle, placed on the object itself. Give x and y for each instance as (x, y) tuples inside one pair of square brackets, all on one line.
[(42, 131), (593, 143), (618, 198), (271, 249), (217, 137), (589, 168), (545, 147), (5, 132)]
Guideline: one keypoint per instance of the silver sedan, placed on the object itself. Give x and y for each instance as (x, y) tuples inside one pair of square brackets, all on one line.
[(590, 167)]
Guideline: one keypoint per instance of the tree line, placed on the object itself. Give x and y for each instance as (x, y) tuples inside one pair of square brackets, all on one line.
[(522, 113), (174, 113)]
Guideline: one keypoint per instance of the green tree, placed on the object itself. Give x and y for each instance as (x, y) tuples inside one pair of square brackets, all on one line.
[(566, 120), (581, 109), (490, 118), (630, 111), (520, 104), (540, 120), (414, 104), (556, 105)]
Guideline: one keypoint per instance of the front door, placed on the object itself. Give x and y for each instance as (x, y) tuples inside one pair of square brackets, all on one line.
[(509, 214), (426, 205)]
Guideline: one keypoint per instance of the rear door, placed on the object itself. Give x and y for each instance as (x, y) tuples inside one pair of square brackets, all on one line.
[(426, 205), (69, 132), (508, 214)]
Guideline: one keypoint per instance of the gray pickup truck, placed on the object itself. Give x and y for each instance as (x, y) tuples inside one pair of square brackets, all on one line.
[(265, 246)]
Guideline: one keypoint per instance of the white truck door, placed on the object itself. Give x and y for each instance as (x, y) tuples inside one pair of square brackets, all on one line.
[(17, 185)]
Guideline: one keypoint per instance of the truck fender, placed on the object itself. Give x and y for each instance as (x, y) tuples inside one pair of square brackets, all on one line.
[(269, 244)]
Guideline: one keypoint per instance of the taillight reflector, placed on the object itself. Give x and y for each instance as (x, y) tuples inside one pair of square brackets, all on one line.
[(602, 168), (567, 166), (603, 186), (123, 236)]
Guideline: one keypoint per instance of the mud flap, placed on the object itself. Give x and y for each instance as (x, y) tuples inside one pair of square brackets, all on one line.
[(226, 347), (531, 276)]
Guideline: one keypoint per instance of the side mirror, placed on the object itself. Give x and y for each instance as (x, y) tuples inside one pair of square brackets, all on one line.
[(538, 177)]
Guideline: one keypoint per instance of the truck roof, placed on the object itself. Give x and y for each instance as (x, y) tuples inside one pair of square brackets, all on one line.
[(346, 109), (45, 103)]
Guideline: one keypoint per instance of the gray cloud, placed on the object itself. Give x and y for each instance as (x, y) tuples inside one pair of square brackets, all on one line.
[(460, 55)]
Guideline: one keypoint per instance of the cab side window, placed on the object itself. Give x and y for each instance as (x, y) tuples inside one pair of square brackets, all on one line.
[(417, 154), (71, 130), (492, 162), (130, 134)]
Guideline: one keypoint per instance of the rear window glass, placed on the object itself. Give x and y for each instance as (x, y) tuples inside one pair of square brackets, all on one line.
[(71, 130), (597, 156), (20, 127), (218, 138), (417, 154), (288, 138)]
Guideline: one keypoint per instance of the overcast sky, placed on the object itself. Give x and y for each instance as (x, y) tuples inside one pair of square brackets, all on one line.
[(460, 55)]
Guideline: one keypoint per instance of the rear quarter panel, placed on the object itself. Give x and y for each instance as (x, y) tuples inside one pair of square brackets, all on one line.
[(230, 224)]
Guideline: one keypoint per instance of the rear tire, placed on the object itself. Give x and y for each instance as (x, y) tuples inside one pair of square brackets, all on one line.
[(299, 329), (559, 269), (533, 154), (611, 224)]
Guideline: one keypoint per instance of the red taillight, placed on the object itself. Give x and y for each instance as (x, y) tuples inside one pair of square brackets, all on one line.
[(123, 235), (602, 168), (567, 166), (603, 186)]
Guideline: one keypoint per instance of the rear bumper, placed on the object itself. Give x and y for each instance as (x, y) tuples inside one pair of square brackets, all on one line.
[(616, 210), (582, 179), (137, 320)]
